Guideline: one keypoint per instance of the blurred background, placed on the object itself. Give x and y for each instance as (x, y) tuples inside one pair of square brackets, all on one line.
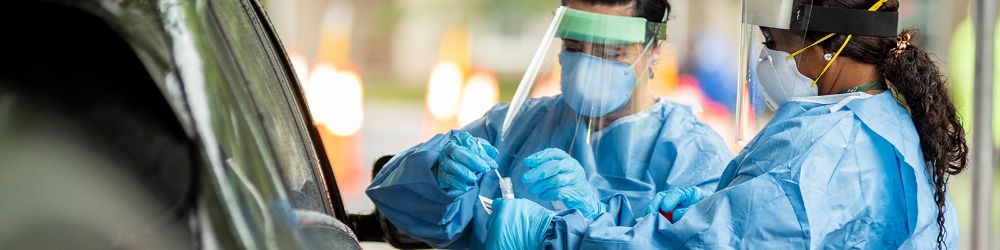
[(384, 75)]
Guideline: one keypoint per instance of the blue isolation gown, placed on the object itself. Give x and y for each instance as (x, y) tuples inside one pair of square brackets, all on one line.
[(833, 172), (661, 147)]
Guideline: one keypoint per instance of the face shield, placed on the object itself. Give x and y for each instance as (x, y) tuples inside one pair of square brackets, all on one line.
[(775, 44), (600, 61), (584, 90)]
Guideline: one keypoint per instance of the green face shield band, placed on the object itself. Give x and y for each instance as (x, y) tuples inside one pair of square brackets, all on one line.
[(607, 29)]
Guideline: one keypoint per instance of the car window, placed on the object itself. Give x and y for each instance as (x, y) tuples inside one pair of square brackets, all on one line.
[(272, 89)]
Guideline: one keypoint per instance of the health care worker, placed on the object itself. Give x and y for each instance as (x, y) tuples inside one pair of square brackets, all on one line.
[(857, 155), (605, 134)]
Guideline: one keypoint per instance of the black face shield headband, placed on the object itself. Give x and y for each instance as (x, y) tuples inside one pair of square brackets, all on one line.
[(845, 21)]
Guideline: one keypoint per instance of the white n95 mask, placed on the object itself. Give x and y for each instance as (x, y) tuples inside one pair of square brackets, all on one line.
[(780, 78)]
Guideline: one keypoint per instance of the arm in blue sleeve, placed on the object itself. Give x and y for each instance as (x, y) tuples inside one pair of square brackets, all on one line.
[(569, 228), (407, 193), (757, 213)]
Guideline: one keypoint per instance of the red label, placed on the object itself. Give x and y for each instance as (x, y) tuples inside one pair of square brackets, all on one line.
[(669, 215)]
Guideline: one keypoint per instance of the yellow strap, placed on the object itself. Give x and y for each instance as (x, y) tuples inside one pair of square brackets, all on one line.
[(842, 46), (828, 36), (877, 5), (797, 52)]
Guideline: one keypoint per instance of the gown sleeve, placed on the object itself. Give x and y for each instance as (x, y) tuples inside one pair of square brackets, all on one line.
[(729, 219), (406, 190)]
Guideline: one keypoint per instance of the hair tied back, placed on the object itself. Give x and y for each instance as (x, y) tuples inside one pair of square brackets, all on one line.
[(902, 43)]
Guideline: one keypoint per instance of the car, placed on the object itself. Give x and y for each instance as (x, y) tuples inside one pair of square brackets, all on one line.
[(162, 124)]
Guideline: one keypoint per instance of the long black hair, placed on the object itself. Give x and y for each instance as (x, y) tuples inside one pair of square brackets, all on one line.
[(919, 84)]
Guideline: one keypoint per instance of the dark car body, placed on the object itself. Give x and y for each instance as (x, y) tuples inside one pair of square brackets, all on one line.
[(216, 106)]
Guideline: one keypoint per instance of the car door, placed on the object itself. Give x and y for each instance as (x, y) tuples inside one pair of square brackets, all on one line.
[(277, 99)]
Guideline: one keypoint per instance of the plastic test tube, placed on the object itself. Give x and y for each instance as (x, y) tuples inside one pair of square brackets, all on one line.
[(506, 187)]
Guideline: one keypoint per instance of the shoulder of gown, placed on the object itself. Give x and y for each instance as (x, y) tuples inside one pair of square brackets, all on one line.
[(696, 153)]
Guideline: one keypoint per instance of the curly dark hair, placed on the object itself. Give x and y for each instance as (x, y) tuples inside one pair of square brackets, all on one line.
[(652, 10), (916, 79)]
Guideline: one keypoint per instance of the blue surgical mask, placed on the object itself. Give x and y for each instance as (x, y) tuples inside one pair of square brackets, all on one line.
[(593, 86)]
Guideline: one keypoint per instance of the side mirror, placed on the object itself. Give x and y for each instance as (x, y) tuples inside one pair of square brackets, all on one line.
[(375, 227)]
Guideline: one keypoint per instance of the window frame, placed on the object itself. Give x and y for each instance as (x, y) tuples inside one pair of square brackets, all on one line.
[(291, 87)]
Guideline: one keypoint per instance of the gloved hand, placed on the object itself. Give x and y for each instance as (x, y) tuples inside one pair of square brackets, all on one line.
[(517, 224), (554, 175), (675, 201), (463, 159)]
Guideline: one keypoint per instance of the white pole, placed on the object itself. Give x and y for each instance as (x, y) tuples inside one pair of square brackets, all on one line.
[(984, 16)]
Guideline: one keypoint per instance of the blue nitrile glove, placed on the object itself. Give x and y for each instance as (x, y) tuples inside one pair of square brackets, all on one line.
[(517, 224), (463, 158), (673, 203), (554, 175)]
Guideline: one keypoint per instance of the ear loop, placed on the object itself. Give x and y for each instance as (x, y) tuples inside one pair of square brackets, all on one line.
[(836, 55)]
